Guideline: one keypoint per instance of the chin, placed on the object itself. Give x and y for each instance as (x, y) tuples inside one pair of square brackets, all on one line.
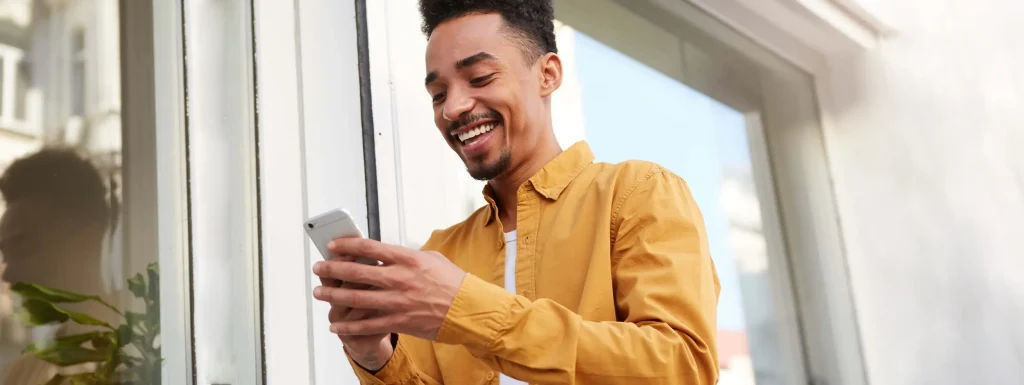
[(493, 167)]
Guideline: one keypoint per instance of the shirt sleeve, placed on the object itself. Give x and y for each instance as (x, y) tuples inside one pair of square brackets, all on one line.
[(666, 298), (404, 368)]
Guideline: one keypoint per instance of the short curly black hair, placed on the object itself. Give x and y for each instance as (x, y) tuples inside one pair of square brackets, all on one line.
[(60, 179), (531, 21)]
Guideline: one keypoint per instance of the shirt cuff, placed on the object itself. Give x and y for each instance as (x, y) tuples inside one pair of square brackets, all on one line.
[(397, 370), (478, 314)]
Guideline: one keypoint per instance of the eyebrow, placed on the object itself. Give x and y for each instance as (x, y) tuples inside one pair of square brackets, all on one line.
[(466, 62)]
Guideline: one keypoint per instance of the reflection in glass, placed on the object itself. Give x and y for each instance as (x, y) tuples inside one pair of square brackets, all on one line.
[(61, 209), (627, 110)]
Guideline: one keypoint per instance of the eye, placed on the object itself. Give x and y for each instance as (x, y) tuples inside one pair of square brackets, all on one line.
[(481, 81), (438, 97)]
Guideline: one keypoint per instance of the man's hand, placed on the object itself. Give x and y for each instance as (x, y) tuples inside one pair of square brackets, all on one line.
[(413, 290), (371, 352)]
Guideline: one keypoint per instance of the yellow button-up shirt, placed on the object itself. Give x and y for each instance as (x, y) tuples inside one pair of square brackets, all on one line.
[(614, 285)]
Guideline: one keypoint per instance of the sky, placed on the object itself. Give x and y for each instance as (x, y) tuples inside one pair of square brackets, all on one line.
[(632, 111)]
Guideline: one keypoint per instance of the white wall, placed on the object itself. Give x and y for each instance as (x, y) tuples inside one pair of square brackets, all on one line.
[(925, 135)]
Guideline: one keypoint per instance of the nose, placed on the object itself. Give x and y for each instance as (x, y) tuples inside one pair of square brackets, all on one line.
[(457, 103)]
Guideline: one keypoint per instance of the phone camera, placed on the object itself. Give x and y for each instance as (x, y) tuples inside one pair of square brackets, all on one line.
[(310, 225)]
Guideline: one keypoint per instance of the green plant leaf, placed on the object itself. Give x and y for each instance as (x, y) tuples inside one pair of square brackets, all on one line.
[(135, 321), (132, 361), (67, 355), (137, 285), (103, 342), (48, 294), (72, 343), (153, 271), (87, 379), (35, 312), (124, 335), (77, 339), (83, 319)]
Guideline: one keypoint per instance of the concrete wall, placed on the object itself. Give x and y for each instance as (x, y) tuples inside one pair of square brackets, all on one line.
[(925, 135)]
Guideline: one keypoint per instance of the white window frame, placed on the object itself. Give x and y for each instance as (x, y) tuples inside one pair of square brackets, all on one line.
[(151, 33), (286, 278), (312, 150), (12, 58), (223, 187), (297, 110), (306, 116)]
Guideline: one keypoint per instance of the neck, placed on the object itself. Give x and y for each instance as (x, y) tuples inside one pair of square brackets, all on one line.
[(506, 186)]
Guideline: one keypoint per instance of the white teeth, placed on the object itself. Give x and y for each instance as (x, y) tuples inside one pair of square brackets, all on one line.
[(465, 136)]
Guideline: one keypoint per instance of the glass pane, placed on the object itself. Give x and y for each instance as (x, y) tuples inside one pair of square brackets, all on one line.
[(64, 209), (628, 110)]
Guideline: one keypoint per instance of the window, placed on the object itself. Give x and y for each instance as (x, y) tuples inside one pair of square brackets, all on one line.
[(21, 91), (14, 91), (170, 183), (629, 110), (80, 213)]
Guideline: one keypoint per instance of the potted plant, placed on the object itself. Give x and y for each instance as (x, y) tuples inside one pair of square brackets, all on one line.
[(128, 353)]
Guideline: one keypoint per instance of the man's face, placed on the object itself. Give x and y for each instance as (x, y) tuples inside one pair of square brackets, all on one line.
[(486, 94), (41, 247)]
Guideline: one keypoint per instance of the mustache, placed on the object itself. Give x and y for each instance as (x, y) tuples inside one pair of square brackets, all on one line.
[(468, 119)]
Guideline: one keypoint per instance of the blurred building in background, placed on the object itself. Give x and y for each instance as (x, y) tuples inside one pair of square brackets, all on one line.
[(60, 85)]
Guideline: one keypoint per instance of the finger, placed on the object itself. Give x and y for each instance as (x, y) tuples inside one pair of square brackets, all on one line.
[(339, 313), (344, 258), (358, 314), (368, 326), (368, 248), (343, 313), (351, 272), (329, 282), (338, 283), (358, 299)]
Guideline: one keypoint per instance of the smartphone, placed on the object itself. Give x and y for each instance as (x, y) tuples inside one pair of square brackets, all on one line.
[(334, 224)]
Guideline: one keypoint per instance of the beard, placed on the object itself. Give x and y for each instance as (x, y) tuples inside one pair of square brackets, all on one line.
[(487, 171)]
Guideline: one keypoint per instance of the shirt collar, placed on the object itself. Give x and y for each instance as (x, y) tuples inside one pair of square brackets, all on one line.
[(551, 180)]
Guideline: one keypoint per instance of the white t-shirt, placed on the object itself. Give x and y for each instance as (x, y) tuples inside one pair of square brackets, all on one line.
[(510, 285)]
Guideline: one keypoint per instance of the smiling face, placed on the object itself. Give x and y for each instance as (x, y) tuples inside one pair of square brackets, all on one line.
[(489, 97)]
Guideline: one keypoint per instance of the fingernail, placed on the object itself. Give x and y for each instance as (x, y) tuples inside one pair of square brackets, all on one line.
[(317, 291), (331, 245), (317, 267), (334, 329)]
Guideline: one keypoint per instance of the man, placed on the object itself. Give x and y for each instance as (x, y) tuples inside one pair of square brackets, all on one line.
[(52, 233), (606, 272)]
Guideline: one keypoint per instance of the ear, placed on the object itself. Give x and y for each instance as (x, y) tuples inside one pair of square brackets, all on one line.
[(550, 73)]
